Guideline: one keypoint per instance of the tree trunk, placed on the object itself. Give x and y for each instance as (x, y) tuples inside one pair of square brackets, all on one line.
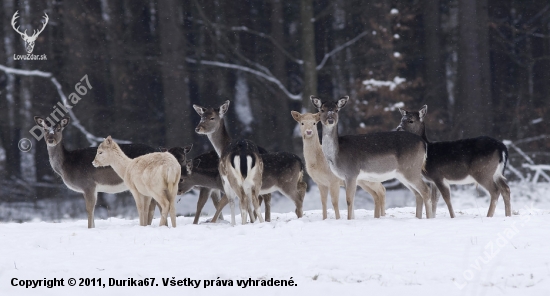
[(436, 89), (308, 53), (178, 128), (472, 109)]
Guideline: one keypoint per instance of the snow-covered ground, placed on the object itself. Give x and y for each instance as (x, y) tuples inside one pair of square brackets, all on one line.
[(394, 255)]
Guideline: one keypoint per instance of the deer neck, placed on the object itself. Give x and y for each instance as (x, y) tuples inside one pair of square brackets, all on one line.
[(312, 149), (330, 143), (57, 156), (220, 138), (120, 162), (423, 134)]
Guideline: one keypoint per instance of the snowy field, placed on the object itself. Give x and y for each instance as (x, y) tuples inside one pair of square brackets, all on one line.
[(394, 255)]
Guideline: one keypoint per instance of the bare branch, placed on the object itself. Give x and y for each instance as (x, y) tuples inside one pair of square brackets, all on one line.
[(339, 48), (263, 35), (74, 120), (249, 70)]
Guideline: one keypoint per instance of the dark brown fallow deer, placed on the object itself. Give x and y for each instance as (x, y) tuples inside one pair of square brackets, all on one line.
[(480, 160)]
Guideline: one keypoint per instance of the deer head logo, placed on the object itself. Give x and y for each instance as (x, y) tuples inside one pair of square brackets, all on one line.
[(29, 40)]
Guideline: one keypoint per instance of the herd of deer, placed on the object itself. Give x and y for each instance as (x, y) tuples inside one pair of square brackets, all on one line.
[(239, 168)]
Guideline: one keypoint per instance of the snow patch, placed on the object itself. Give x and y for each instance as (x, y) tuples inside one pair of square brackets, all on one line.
[(242, 102), (372, 84)]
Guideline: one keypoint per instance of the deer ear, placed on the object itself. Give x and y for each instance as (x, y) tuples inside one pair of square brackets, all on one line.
[(422, 112), (224, 108), (65, 121), (196, 163), (316, 102), (109, 140), (296, 115), (403, 112), (342, 102), (162, 149), (40, 121), (317, 117), (188, 148), (199, 109)]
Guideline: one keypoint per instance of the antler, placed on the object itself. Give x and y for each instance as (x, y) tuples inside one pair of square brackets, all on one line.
[(46, 18), (15, 16)]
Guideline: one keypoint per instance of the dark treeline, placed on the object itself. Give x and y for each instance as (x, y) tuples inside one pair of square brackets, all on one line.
[(482, 66)]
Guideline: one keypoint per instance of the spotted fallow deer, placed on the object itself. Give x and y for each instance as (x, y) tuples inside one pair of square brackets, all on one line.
[(76, 169), (152, 175), (283, 171), (480, 160), (319, 171), (374, 157)]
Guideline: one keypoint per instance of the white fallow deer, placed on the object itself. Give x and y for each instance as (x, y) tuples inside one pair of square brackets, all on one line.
[(373, 157), (152, 175), (318, 169), (29, 40), (480, 160)]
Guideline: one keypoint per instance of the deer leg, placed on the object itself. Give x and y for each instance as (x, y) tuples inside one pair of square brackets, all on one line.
[(323, 190), (203, 197), (505, 191), (232, 206), (351, 188), (90, 197), (493, 190), (146, 206), (267, 200), (421, 188), (151, 211), (434, 197), (139, 204), (165, 208), (446, 193), (244, 204), (223, 202), (377, 199), (256, 204), (301, 194), (335, 197), (215, 196)]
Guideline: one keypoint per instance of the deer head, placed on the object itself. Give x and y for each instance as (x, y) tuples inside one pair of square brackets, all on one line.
[(413, 122), (53, 133), (29, 40), (308, 123), (329, 110), (210, 118)]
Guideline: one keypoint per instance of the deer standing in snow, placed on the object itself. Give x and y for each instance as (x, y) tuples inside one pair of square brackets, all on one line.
[(318, 169), (152, 175), (76, 169), (373, 157), (480, 160), (282, 171)]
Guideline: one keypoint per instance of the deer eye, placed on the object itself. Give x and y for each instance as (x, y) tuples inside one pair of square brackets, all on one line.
[(100, 152), (302, 123), (212, 118), (410, 121)]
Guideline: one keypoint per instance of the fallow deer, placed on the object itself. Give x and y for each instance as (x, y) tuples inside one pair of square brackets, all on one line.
[(283, 171), (374, 157), (76, 169), (153, 175), (480, 160), (319, 171), (241, 169), (189, 181), (205, 174)]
